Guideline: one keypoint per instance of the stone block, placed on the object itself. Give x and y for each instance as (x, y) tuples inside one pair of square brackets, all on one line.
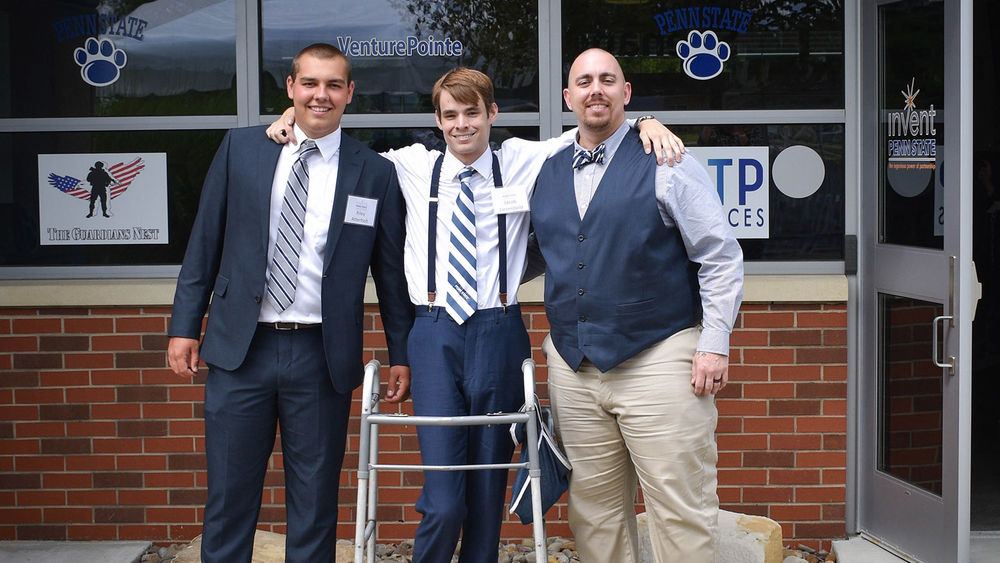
[(741, 539), (268, 547)]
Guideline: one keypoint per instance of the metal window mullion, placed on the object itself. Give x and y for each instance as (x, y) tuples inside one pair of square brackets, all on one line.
[(762, 267), (404, 120), (852, 225), (550, 68), (737, 117), (89, 272), (150, 122), (247, 62)]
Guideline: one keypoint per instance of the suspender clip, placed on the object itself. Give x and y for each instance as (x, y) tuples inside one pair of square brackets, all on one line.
[(503, 301), (430, 300)]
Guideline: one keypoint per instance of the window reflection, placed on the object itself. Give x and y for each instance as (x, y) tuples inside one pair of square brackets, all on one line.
[(911, 86), (778, 54), (118, 59), (188, 155), (910, 414), (805, 225), (399, 48)]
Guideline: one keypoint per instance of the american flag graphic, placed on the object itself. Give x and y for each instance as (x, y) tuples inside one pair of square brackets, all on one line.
[(121, 172), (68, 185)]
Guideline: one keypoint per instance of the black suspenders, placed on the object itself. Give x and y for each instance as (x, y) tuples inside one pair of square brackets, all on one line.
[(432, 235)]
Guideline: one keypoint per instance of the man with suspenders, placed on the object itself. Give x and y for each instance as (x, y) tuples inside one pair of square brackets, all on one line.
[(466, 232)]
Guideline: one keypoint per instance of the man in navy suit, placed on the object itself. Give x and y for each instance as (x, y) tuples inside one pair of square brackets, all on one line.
[(283, 243)]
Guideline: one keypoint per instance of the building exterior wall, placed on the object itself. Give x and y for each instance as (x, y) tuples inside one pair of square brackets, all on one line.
[(99, 440)]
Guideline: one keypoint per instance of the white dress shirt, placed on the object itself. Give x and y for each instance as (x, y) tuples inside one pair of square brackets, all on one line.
[(520, 161), (323, 167), (688, 200)]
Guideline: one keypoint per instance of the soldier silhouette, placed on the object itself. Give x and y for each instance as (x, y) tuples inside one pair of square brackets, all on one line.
[(99, 181)]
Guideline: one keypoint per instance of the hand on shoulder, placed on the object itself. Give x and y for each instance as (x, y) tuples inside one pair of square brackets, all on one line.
[(282, 130)]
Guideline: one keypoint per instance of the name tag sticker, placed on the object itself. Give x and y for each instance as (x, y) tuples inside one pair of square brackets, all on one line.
[(360, 211), (510, 200)]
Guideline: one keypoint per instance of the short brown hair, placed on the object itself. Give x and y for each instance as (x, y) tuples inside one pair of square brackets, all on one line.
[(466, 85), (321, 51)]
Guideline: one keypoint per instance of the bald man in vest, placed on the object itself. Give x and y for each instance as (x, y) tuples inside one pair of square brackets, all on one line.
[(643, 282)]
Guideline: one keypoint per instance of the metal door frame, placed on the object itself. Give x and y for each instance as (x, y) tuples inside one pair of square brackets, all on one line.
[(889, 268)]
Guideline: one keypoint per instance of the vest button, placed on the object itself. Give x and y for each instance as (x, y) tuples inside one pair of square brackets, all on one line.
[(580, 291), (579, 266), (583, 318), (581, 238), (256, 298)]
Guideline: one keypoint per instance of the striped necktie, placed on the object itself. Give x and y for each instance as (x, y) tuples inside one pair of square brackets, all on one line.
[(284, 269), (462, 302), (583, 157)]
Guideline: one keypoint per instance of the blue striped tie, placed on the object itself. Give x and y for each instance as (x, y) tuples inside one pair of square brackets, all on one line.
[(462, 301), (285, 262), (583, 157)]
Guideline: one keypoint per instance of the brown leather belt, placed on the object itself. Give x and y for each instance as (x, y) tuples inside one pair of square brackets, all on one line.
[(289, 325)]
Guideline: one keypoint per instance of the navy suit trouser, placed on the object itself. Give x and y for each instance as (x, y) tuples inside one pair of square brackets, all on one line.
[(473, 368), (285, 380)]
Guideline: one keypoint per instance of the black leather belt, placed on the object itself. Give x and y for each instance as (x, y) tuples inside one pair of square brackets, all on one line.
[(289, 325)]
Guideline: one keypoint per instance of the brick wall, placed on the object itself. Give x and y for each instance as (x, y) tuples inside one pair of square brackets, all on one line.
[(99, 440)]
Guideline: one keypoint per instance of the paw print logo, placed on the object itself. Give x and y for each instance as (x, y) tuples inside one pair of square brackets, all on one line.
[(703, 55), (99, 61)]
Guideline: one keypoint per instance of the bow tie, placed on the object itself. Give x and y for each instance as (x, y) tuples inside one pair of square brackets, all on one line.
[(584, 157)]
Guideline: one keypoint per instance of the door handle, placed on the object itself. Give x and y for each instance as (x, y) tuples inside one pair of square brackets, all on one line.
[(934, 345)]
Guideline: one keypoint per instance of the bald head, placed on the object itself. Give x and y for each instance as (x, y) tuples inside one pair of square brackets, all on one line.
[(591, 56), (597, 93)]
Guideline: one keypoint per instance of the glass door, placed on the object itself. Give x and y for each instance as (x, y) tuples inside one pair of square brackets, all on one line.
[(915, 278)]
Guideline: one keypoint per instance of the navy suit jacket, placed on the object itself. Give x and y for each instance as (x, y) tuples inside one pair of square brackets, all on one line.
[(226, 257)]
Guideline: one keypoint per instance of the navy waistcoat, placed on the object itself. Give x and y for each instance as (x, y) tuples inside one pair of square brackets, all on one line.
[(619, 280)]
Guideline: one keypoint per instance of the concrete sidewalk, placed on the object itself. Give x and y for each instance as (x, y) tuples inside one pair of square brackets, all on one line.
[(72, 551)]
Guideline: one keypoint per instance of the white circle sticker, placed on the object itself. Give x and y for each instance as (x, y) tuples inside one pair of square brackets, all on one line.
[(798, 171)]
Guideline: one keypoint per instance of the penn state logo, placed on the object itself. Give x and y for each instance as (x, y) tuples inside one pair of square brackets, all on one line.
[(703, 54), (100, 61)]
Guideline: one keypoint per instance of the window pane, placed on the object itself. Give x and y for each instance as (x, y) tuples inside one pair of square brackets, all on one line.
[(72, 59), (188, 154), (912, 129), (910, 396), (399, 48), (730, 55), (800, 216)]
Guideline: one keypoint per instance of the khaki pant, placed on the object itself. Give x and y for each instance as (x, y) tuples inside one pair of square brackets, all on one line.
[(639, 420)]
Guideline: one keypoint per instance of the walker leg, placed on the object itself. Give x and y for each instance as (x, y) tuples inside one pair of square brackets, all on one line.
[(369, 401), (535, 477), (534, 471), (372, 492), (359, 525)]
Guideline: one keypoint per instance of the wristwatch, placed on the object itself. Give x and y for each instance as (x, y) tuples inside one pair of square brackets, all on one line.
[(642, 118)]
